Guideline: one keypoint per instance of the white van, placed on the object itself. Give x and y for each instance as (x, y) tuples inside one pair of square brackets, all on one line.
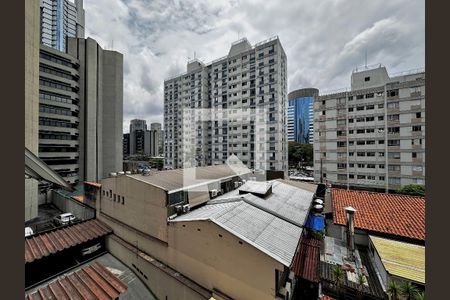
[(28, 231), (64, 219)]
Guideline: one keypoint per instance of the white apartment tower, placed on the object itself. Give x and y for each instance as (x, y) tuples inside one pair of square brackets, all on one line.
[(373, 136), (233, 107)]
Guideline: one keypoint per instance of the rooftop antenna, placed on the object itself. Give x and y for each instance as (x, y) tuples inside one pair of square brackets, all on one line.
[(194, 54), (366, 58), (239, 34)]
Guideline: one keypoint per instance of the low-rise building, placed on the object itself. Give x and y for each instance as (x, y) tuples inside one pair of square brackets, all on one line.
[(195, 243)]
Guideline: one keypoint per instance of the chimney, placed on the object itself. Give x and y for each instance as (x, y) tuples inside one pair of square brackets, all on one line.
[(349, 215)]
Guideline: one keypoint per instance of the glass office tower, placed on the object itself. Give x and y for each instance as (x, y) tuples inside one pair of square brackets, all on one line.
[(301, 115), (61, 19)]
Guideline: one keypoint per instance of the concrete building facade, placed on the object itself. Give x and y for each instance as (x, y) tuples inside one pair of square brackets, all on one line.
[(372, 136), (233, 106), (100, 108), (61, 19), (195, 253), (31, 99), (301, 115), (59, 112), (143, 141)]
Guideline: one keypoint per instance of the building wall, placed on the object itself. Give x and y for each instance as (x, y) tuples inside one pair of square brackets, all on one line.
[(301, 115), (59, 112), (249, 78), (31, 98), (220, 262), (112, 112), (160, 283), (101, 108), (367, 137), (144, 205)]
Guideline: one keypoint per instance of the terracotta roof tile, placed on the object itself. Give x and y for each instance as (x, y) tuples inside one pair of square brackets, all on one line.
[(394, 214), (91, 282), (45, 244)]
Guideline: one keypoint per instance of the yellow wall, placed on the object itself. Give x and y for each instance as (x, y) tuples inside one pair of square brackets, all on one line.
[(239, 270)]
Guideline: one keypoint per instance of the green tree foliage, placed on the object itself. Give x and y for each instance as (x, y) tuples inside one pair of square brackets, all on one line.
[(409, 291), (300, 153), (394, 290), (412, 189)]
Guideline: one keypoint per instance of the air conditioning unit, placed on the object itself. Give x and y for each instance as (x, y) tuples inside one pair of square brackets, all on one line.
[(179, 209), (186, 208), (236, 184), (214, 193)]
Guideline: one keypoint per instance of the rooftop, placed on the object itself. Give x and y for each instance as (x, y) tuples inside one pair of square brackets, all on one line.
[(116, 270), (91, 282), (392, 214), (273, 225), (174, 180), (47, 243), (401, 259), (306, 260)]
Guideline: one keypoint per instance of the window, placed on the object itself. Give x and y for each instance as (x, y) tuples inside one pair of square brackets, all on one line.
[(342, 177), (393, 142), (340, 122), (380, 118), (360, 120), (350, 97), (394, 155), (370, 107), (418, 115), (371, 166), (394, 168), (370, 119), (361, 165), (393, 117), (360, 142), (371, 177), (370, 95), (361, 176), (123, 200), (360, 153), (360, 97), (416, 142), (360, 131), (370, 130), (381, 154), (350, 109), (350, 131), (342, 166), (393, 130), (392, 93), (351, 153), (394, 180), (351, 176), (323, 113), (372, 154), (417, 168), (360, 108), (367, 78), (351, 143), (393, 105), (351, 165), (381, 178), (350, 120), (417, 128), (381, 166), (341, 144), (414, 154), (380, 105), (370, 142)]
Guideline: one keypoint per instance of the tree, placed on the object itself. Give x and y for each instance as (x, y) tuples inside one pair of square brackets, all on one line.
[(409, 291), (300, 153), (420, 296), (361, 279), (412, 189), (393, 290), (338, 275)]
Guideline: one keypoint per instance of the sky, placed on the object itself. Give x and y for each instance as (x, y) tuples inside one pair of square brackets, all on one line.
[(324, 40)]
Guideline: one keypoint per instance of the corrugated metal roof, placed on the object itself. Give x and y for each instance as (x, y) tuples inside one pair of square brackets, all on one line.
[(91, 282), (47, 243), (171, 180), (256, 187), (401, 259), (287, 201), (306, 260)]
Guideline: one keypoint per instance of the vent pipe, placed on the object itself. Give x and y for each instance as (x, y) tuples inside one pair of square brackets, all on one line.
[(350, 214)]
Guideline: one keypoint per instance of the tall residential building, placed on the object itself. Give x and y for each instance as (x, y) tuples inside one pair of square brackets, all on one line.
[(301, 115), (372, 136), (156, 142), (31, 75), (234, 106), (61, 19), (80, 110)]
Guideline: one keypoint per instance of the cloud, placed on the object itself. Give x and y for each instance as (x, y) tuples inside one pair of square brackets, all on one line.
[(323, 40)]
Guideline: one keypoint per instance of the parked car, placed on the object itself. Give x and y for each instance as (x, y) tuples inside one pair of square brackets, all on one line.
[(90, 249), (64, 219), (28, 231)]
